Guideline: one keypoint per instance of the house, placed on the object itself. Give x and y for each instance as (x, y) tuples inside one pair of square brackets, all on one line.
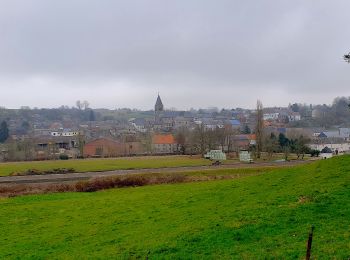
[(271, 116), (340, 134), (106, 147), (167, 123), (211, 124), (64, 132), (102, 147), (49, 147), (334, 147), (345, 132), (59, 142), (294, 116), (139, 124), (181, 121), (336, 140), (164, 144), (244, 141), (326, 155), (235, 124), (132, 148)]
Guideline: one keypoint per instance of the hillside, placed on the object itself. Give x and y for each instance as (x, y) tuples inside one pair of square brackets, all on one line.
[(267, 215)]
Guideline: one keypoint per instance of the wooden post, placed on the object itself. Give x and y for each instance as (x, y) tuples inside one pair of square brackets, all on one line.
[(309, 243)]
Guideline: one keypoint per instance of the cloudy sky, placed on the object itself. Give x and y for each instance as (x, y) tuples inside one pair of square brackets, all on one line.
[(196, 53)]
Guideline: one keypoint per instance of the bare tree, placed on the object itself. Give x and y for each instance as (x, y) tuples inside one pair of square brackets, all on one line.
[(200, 138), (81, 143), (86, 104), (270, 144), (225, 137), (79, 105), (259, 128), (146, 140), (82, 105), (286, 151), (27, 147), (221, 135), (211, 139), (301, 146), (182, 137)]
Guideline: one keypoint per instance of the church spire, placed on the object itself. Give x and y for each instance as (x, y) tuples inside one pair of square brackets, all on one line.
[(159, 104)]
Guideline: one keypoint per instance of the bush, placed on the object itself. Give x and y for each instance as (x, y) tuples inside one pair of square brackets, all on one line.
[(38, 172), (64, 157), (314, 153), (27, 172), (110, 182)]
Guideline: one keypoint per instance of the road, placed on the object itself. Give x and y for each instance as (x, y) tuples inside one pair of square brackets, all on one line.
[(72, 177)]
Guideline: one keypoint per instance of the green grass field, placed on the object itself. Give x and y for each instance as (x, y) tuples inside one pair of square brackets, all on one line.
[(105, 164), (256, 217)]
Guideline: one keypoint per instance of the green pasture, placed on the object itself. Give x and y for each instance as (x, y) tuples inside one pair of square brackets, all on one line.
[(93, 165), (267, 216)]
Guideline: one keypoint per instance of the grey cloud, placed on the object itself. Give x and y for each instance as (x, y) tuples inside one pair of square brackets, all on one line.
[(197, 53)]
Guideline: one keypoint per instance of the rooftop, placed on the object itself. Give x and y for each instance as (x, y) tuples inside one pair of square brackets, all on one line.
[(164, 139)]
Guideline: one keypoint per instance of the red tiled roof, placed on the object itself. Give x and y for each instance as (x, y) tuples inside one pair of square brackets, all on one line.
[(164, 139), (245, 137), (252, 137)]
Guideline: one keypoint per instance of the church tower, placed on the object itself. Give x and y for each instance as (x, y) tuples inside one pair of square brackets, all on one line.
[(159, 105), (158, 108)]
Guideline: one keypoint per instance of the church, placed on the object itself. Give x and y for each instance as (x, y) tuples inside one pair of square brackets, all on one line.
[(163, 120), (158, 109)]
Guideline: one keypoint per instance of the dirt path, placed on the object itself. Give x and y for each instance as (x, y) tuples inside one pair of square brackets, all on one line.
[(71, 177)]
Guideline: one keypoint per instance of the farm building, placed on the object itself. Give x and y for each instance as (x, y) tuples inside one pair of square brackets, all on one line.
[(105, 147), (164, 144)]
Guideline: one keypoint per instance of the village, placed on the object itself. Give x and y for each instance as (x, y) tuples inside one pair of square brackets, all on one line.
[(174, 129), (94, 133)]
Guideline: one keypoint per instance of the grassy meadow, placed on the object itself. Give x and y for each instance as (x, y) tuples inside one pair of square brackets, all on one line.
[(108, 164), (254, 217)]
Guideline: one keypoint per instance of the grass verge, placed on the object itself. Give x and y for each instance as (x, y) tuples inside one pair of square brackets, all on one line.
[(130, 180), (96, 165)]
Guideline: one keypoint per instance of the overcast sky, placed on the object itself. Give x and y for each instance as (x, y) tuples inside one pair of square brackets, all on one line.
[(223, 53)]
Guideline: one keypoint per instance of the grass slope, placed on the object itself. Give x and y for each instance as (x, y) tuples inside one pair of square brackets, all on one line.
[(104, 164), (265, 216)]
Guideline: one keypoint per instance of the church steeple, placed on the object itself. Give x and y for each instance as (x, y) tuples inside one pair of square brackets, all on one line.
[(158, 108), (159, 105)]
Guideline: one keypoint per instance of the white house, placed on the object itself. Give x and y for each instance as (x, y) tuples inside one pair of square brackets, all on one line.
[(326, 155), (64, 133), (295, 116), (139, 124), (271, 116), (340, 147)]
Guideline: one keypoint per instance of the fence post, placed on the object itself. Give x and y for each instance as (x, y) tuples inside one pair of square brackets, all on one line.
[(309, 243)]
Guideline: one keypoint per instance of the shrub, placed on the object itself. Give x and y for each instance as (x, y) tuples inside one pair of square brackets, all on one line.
[(64, 157), (38, 172), (133, 180), (111, 182), (60, 171), (314, 153)]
